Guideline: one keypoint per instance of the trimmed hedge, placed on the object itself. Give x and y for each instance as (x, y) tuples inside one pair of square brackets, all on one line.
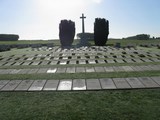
[(9, 37), (66, 32), (101, 31)]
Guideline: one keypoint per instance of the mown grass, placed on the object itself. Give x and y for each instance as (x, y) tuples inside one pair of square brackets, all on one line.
[(99, 105), (79, 75), (26, 51), (133, 42), (110, 42), (27, 42), (56, 42)]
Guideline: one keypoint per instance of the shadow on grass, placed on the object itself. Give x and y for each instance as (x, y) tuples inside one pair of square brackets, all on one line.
[(99, 105)]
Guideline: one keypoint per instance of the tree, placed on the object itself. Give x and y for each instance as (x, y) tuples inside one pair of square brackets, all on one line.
[(139, 37), (66, 32), (101, 31), (143, 37), (9, 37)]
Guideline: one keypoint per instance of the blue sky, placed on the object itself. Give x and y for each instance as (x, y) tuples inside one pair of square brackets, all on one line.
[(39, 19)]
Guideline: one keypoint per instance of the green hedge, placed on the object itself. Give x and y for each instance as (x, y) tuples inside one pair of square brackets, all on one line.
[(9, 37)]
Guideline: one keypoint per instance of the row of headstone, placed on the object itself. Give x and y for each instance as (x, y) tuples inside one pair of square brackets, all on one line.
[(81, 55), (85, 57), (92, 48), (80, 84), (149, 45), (81, 69), (65, 70), (65, 62), (21, 46)]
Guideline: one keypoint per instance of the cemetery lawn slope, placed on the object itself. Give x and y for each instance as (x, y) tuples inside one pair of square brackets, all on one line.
[(27, 42), (100, 105), (133, 42), (110, 42)]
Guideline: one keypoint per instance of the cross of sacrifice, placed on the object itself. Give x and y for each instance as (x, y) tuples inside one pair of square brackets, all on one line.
[(83, 17)]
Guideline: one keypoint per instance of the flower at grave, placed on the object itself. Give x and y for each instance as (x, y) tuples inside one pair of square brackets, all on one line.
[(66, 32), (101, 31)]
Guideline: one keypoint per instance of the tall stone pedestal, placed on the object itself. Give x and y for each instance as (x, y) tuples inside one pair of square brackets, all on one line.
[(83, 42)]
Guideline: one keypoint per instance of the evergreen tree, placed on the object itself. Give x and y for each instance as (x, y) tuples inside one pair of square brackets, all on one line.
[(101, 31), (66, 32)]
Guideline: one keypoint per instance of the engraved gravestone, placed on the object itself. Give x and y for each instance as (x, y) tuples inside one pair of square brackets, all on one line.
[(65, 85), (79, 84)]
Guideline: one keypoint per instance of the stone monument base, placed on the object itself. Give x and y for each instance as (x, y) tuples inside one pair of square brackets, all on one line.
[(83, 42)]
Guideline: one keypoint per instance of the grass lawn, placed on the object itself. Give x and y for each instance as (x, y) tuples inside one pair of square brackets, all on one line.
[(60, 76), (85, 105), (27, 42), (110, 41), (133, 42), (91, 105), (55, 42)]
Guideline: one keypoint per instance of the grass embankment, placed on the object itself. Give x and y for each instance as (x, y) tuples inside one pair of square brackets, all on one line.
[(55, 42), (27, 42), (133, 42), (99, 105), (110, 42)]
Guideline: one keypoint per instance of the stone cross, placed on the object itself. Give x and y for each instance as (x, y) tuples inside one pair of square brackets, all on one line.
[(83, 17)]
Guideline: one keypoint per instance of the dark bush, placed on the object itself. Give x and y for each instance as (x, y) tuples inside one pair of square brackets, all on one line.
[(36, 45), (139, 37), (9, 37), (143, 37), (101, 31), (66, 32), (4, 48), (21, 46)]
